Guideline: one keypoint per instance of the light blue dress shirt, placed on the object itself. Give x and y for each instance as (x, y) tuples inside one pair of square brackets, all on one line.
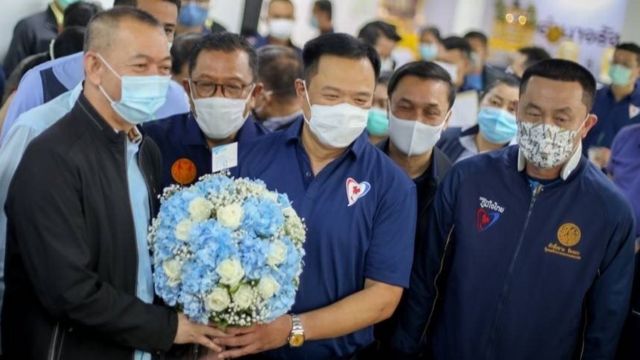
[(69, 70), (139, 198)]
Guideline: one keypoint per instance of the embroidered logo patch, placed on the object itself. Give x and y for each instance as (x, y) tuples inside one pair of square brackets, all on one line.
[(568, 236), (487, 214), (356, 190)]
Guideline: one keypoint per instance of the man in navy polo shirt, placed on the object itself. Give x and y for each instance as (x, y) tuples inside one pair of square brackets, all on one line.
[(359, 208), (221, 84), (529, 251), (421, 95), (617, 105)]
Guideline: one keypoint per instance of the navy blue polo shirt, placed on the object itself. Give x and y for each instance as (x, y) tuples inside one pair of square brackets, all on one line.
[(612, 116), (186, 155), (360, 211)]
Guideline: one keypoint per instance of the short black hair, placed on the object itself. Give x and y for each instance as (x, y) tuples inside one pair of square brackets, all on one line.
[(226, 42), (631, 47), (457, 43), (426, 70), (337, 44), (477, 35), (100, 29), (181, 50), (134, 3), (324, 6), (371, 32), (534, 55), (431, 30), (563, 70), (80, 13), (69, 41), (278, 68), (505, 79)]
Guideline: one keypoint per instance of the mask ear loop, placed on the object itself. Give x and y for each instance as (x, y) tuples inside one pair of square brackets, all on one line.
[(306, 95)]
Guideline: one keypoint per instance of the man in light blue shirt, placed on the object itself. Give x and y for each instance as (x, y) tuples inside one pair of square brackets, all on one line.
[(47, 81)]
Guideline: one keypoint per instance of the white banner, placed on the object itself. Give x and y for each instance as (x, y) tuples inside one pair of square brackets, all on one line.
[(583, 31)]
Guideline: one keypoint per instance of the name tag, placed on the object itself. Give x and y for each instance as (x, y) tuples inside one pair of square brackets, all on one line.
[(224, 157)]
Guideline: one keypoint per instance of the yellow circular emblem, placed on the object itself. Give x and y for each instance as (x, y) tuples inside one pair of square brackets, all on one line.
[(569, 234)]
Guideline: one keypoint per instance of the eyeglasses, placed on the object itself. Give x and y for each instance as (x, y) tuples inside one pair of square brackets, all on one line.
[(207, 88)]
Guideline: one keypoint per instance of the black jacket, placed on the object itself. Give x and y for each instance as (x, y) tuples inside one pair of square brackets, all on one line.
[(71, 261), (31, 35), (426, 186)]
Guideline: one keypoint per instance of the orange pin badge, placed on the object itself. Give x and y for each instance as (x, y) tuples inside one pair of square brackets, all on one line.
[(183, 171)]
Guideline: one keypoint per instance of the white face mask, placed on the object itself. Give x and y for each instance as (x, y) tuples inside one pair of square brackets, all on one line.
[(220, 117), (412, 137), (336, 126), (281, 28), (546, 145), (451, 69)]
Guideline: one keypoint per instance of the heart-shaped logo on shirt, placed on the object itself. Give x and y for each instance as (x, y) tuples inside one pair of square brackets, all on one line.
[(356, 190), (486, 218)]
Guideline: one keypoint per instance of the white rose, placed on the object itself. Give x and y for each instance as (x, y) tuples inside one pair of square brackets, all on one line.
[(243, 297), (183, 229), (173, 270), (230, 271), (200, 209), (218, 300), (278, 253), (267, 287), (230, 216)]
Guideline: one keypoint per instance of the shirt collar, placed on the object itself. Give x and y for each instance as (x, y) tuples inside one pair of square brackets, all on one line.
[(294, 132), (568, 167), (634, 97)]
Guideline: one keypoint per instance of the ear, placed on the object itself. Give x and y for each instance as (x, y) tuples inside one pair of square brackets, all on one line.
[(300, 88), (93, 68), (591, 121), (187, 86), (257, 91), (446, 119)]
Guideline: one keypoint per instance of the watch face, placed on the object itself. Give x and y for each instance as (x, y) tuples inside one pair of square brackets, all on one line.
[(296, 340)]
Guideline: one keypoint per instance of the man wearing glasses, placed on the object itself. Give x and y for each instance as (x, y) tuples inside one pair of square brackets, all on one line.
[(222, 89)]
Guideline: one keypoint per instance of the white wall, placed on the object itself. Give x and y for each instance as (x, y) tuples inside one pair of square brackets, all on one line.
[(631, 29)]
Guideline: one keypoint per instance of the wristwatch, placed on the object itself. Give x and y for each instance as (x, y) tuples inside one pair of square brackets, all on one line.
[(296, 338)]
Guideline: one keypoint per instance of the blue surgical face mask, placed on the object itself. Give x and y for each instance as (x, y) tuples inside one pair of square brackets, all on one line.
[(141, 96), (498, 126), (314, 22), (192, 14), (428, 51), (620, 75), (378, 123)]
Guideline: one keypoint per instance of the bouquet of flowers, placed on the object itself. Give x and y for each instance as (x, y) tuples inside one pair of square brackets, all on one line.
[(227, 251)]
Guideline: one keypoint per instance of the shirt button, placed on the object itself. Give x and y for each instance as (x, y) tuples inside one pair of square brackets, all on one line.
[(307, 174)]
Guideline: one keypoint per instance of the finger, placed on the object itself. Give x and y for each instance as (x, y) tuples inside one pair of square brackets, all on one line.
[(240, 352), (208, 343), (211, 331), (242, 330), (237, 341)]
